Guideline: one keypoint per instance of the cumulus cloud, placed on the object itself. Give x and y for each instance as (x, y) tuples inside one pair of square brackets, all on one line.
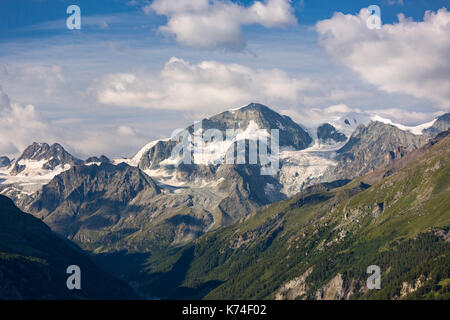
[(406, 117), (218, 23), (19, 125), (125, 131), (207, 87), (407, 57), (36, 83), (339, 108), (112, 142)]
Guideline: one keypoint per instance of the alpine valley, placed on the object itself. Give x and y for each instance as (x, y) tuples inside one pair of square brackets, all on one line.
[(353, 191)]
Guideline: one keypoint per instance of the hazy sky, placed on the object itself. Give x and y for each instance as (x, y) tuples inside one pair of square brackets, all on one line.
[(137, 70)]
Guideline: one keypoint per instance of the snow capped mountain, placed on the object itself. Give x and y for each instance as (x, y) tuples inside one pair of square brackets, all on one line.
[(327, 133), (216, 134), (40, 159), (37, 165), (137, 157), (206, 192), (417, 130), (305, 154)]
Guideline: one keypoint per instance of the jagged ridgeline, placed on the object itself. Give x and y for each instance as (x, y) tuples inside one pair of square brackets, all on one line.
[(249, 119), (319, 243), (356, 190)]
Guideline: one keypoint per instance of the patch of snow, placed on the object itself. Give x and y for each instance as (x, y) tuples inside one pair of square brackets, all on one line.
[(134, 161), (93, 163), (298, 167), (31, 179), (236, 109), (417, 130)]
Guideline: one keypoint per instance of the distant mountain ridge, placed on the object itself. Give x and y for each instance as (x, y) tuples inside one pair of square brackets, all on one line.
[(149, 201), (319, 243), (92, 197), (327, 132), (45, 156), (372, 147), (248, 119), (330, 185), (441, 124)]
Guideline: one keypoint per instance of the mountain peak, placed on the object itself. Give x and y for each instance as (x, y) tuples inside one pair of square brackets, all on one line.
[(441, 123), (249, 123), (255, 106), (42, 156), (41, 150)]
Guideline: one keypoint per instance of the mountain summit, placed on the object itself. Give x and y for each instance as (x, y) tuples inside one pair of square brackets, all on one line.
[(291, 134), (39, 158), (252, 121)]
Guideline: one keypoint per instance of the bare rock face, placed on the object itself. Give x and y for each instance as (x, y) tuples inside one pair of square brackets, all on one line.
[(442, 123), (408, 288), (328, 133), (50, 156), (92, 196), (101, 159), (295, 288), (291, 134), (336, 289), (371, 147), (155, 155)]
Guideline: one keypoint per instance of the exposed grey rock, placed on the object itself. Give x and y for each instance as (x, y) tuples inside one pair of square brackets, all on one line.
[(160, 151), (295, 288), (328, 133), (92, 197), (100, 159), (371, 147), (442, 124), (291, 134), (54, 154)]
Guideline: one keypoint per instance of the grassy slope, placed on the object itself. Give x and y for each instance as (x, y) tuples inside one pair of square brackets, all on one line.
[(393, 224)]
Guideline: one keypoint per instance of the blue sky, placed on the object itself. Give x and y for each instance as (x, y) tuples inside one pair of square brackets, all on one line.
[(131, 74), (17, 14)]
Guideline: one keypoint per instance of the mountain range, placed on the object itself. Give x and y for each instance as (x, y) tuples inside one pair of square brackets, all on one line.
[(197, 229), (319, 243)]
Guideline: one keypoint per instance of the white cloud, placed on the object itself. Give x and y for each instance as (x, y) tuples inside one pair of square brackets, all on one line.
[(406, 117), (218, 23), (19, 125), (110, 142), (206, 87), (125, 131), (315, 116), (407, 57), (339, 108), (35, 83), (22, 125)]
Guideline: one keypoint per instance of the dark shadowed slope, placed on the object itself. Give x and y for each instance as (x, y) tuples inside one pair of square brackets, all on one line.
[(33, 262)]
